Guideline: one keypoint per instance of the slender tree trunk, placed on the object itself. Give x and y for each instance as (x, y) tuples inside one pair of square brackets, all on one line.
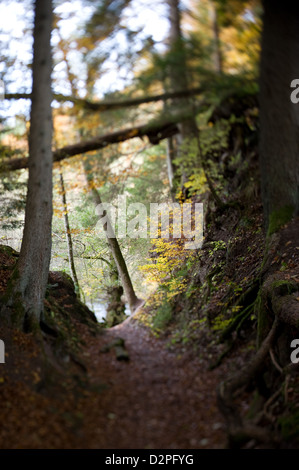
[(121, 265), (218, 61), (68, 234), (178, 67), (170, 166), (178, 80), (25, 295), (279, 117)]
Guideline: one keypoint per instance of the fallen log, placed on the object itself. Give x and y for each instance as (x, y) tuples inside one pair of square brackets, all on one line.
[(155, 132)]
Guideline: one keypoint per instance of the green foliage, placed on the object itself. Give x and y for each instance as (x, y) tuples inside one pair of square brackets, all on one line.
[(220, 323), (191, 290), (217, 245), (212, 141), (141, 186), (214, 137), (188, 331), (85, 213), (162, 317)]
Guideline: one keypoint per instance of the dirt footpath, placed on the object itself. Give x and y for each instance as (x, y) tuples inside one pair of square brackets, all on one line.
[(155, 400)]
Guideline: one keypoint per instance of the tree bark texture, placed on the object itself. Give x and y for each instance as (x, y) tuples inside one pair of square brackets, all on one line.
[(31, 274), (217, 56), (279, 117)]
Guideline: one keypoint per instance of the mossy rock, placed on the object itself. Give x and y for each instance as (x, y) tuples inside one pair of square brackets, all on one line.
[(115, 316), (63, 302), (284, 287), (279, 217), (61, 279)]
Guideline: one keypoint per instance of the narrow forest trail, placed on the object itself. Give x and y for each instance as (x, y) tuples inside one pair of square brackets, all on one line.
[(156, 400)]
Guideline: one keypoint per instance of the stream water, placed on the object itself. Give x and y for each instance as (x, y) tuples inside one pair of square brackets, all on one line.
[(99, 308)]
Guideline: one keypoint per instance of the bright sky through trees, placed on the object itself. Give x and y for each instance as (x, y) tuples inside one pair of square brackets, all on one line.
[(149, 18)]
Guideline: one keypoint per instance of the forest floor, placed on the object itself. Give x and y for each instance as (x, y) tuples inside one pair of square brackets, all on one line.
[(156, 399), (159, 398), (80, 390), (82, 386)]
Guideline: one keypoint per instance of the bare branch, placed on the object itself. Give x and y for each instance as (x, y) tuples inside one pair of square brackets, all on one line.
[(106, 105)]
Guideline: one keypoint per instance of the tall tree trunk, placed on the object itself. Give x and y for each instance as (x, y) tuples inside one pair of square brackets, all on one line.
[(68, 234), (218, 62), (279, 117), (28, 285), (277, 305), (178, 74), (178, 80), (133, 300), (279, 161)]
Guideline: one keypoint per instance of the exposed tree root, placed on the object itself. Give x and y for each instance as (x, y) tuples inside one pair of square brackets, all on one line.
[(280, 294), (239, 431), (235, 325), (219, 360), (237, 322), (279, 297), (275, 363)]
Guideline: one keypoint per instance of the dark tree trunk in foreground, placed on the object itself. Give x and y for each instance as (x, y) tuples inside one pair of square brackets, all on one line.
[(279, 141), (276, 305), (25, 296)]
